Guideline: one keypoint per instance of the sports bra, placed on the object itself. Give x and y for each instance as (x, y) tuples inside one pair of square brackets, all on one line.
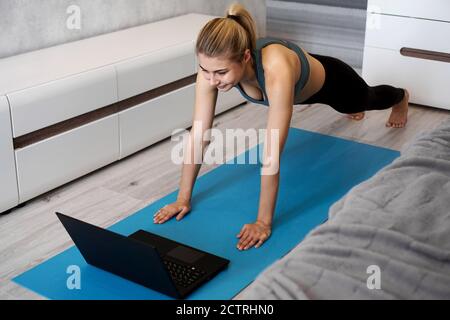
[(256, 54)]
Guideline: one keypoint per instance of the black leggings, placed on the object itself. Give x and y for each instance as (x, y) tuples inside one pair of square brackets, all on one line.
[(346, 92)]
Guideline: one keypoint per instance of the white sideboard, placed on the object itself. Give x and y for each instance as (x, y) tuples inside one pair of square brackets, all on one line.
[(8, 181), (407, 45), (68, 110), (52, 102), (52, 162)]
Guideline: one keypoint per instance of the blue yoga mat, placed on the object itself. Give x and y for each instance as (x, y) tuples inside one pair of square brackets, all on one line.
[(316, 171)]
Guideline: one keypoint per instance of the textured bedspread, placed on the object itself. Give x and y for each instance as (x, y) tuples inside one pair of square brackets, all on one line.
[(391, 232)]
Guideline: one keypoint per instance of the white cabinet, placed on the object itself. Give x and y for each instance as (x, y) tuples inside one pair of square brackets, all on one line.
[(430, 9), (151, 121), (407, 46), (425, 79), (394, 33), (155, 69), (156, 119), (52, 162), (46, 104), (8, 183)]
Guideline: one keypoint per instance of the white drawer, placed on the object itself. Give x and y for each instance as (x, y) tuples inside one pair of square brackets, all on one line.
[(155, 69), (52, 162), (154, 120), (41, 106), (426, 80), (391, 32), (227, 100), (8, 182), (429, 9)]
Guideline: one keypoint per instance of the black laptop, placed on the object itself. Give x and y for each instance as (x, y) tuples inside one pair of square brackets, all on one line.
[(153, 261)]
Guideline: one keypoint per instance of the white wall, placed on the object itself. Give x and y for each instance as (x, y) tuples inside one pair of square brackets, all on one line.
[(27, 25)]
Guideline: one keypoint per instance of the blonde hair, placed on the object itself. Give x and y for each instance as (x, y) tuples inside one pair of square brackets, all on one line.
[(229, 36)]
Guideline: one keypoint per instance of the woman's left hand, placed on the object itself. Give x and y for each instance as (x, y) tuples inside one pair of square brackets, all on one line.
[(253, 234)]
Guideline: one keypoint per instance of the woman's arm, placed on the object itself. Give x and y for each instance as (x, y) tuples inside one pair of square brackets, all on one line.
[(204, 107), (280, 92), (205, 103), (280, 83)]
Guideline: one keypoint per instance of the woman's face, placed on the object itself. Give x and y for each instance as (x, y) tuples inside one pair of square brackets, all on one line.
[(221, 73)]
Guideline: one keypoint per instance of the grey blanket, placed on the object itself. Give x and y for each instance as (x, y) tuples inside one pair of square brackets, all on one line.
[(388, 238)]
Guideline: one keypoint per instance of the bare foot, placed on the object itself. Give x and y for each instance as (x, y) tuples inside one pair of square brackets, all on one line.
[(399, 113), (356, 116)]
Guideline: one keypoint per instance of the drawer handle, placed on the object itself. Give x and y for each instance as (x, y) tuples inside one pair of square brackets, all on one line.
[(78, 121), (425, 54)]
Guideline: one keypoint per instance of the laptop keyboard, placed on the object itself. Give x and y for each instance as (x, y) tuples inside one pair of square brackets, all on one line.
[(183, 275)]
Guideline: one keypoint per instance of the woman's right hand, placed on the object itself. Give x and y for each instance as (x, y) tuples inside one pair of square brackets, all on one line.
[(179, 208)]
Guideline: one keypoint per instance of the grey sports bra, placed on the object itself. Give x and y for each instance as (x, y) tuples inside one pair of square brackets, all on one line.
[(261, 43)]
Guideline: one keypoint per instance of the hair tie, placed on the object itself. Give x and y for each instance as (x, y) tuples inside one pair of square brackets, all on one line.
[(233, 17)]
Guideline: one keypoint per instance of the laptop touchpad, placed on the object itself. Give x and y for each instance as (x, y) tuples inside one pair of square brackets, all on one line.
[(185, 254)]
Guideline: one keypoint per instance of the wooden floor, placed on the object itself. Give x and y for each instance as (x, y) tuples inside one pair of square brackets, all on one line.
[(32, 234)]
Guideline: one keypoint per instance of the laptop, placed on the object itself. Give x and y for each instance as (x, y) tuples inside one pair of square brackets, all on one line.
[(150, 260)]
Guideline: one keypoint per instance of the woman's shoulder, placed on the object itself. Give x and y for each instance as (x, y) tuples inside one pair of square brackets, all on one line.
[(279, 61), (278, 56), (264, 41)]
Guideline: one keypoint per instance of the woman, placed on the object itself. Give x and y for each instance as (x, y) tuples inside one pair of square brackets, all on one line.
[(272, 70)]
